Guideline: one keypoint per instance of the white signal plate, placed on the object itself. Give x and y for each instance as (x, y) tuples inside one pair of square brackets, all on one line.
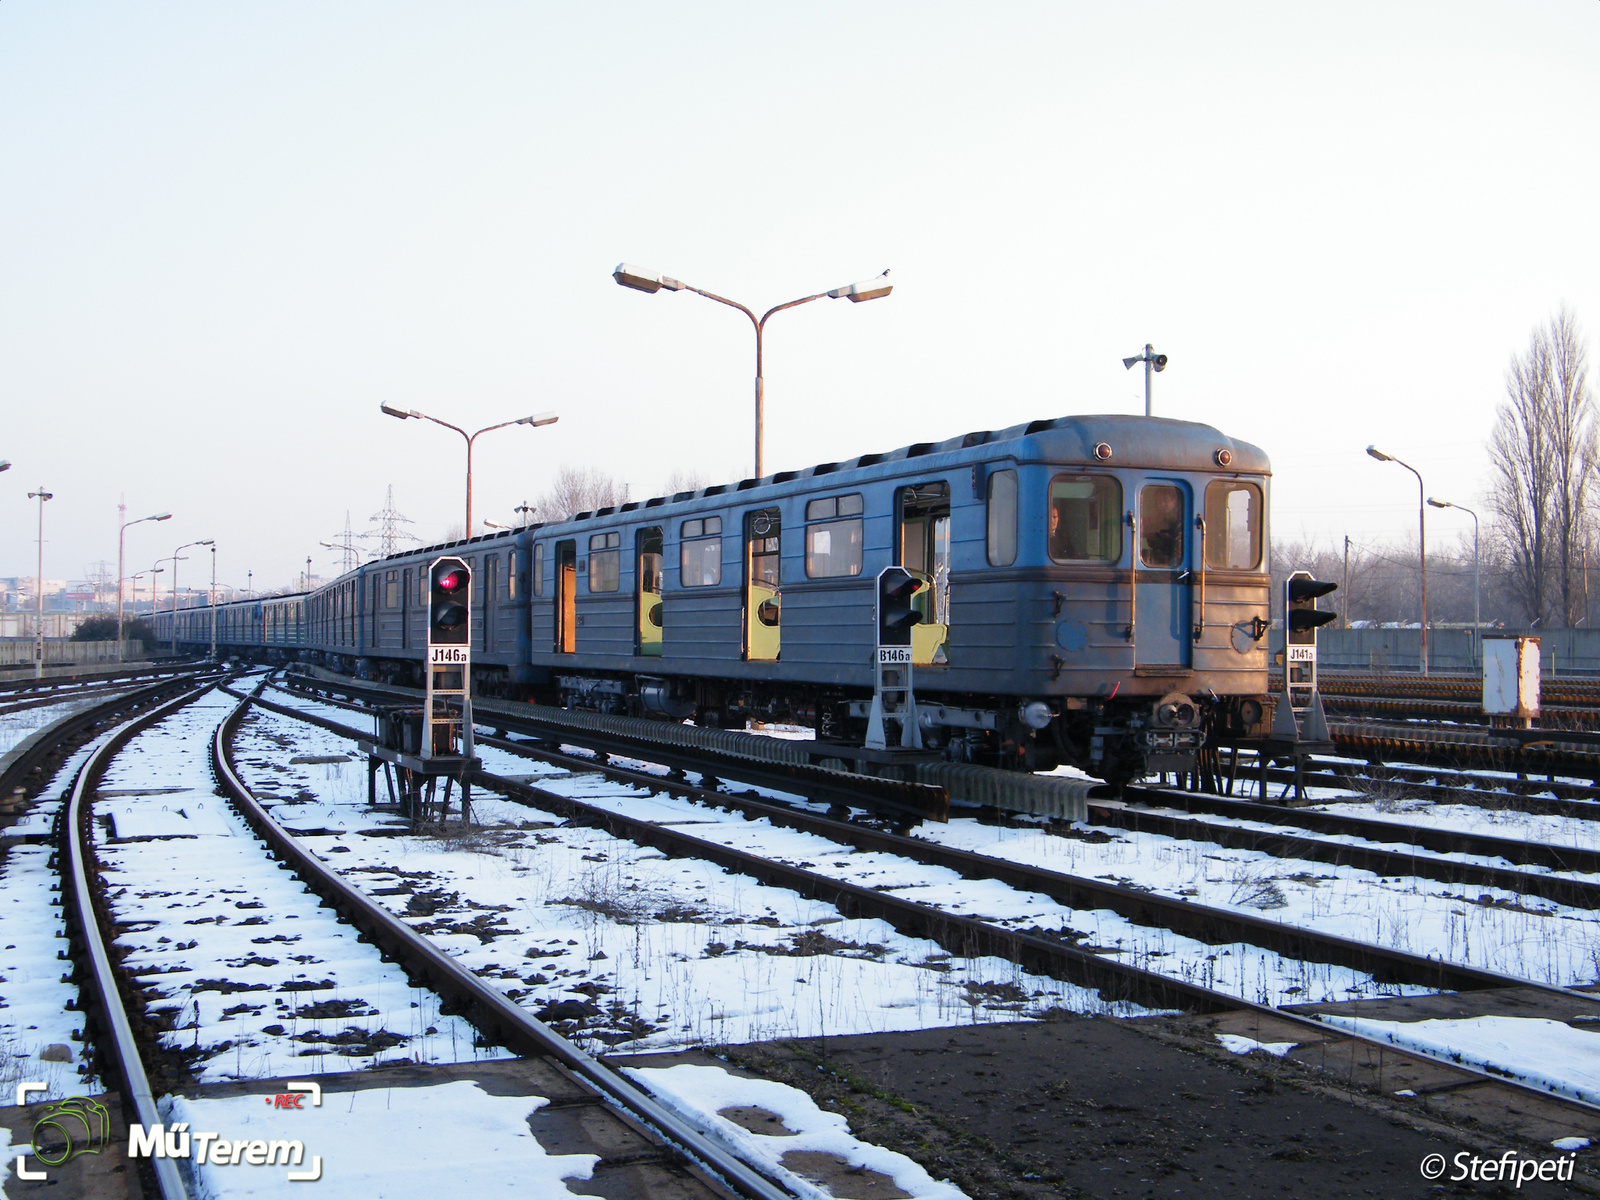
[(1302, 654), (449, 656), (894, 654)]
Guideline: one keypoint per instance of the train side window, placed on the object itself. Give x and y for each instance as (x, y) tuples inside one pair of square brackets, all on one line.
[(538, 569), (1233, 525), (700, 552), (605, 561), (833, 537), (1002, 518), (511, 575), (391, 589), (1085, 518), (1161, 525)]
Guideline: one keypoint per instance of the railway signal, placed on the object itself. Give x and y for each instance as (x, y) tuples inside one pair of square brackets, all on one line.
[(449, 604), (893, 702), (895, 614)]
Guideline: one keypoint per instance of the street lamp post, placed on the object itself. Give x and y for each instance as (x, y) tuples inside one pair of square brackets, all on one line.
[(176, 559), (1152, 362), (1422, 541), (38, 588), (212, 596), (641, 280), (1477, 590), (538, 419), (122, 533), (155, 592)]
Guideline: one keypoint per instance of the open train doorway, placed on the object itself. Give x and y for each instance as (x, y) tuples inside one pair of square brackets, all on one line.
[(647, 547), (566, 597), (762, 600), (923, 512)]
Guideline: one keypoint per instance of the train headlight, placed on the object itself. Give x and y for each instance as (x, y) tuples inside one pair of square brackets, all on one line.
[(1176, 711)]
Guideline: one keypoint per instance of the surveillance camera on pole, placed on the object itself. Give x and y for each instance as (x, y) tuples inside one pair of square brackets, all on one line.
[(1152, 362)]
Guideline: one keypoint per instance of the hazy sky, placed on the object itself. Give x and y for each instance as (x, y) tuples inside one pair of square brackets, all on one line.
[(227, 231)]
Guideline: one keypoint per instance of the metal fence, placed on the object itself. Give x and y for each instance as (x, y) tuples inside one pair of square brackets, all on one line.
[(1561, 651)]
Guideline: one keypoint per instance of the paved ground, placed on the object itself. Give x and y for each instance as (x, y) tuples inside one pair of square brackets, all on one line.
[(1106, 1108)]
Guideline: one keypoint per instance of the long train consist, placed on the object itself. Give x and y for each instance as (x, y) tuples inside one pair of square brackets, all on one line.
[(1093, 591)]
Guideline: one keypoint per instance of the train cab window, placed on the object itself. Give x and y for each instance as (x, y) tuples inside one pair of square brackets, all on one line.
[(700, 552), (1002, 518), (1161, 525), (538, 569), (1233, 525), (833, 537), (1085, 518), (605, 561)]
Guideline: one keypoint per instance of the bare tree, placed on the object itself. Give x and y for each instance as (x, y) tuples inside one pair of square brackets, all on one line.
[(577, 490), (1521, 469), (1572, 430), (1542, 456), (684, 479)]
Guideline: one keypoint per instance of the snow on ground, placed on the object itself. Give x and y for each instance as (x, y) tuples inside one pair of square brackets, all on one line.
[(659, 952), (1490, 928), (403, 1143), (1239, 1044), (701, 1093), (1513, 823), (33, 1000), (15, 726), (1551, 1055), (253, 975), (692, 954)]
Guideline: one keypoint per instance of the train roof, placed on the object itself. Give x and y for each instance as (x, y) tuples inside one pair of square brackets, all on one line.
[(1135, 441)]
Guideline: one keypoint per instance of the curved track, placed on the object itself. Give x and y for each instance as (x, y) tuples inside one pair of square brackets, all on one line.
[(122, 1033)]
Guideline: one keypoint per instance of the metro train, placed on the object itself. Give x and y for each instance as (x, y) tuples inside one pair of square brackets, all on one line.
[(1093, 591)]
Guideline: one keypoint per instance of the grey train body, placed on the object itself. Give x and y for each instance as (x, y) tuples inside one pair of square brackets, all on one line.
[(1094, 592)]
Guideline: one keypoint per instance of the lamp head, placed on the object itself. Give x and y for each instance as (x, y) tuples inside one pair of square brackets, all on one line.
[(1378, 454), (641, 280), (1439, 503), (5, 464), (538, 419), (394, 411), (160, 517), (868, 289)]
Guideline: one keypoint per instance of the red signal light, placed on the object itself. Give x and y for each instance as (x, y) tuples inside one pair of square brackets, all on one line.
[(449, 581)]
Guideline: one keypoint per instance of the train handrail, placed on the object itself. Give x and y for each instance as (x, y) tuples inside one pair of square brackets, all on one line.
[(1200, 622), (1133, 577)]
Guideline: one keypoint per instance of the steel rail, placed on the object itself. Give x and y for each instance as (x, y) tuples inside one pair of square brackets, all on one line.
[(1206, 924), (964, 936), (1381, 860), (1484, 789), (26, 756), (485, 1007), (91, 677), (76, 835)]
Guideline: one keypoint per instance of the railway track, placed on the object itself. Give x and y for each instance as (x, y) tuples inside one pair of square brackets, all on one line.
[(648, 1149), (1037, 950)]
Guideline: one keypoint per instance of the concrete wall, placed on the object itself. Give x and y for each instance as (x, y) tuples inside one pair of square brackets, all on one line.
[(18, 652)]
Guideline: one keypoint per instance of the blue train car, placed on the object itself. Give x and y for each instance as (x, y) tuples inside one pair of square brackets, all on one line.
[(1092, 590)]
